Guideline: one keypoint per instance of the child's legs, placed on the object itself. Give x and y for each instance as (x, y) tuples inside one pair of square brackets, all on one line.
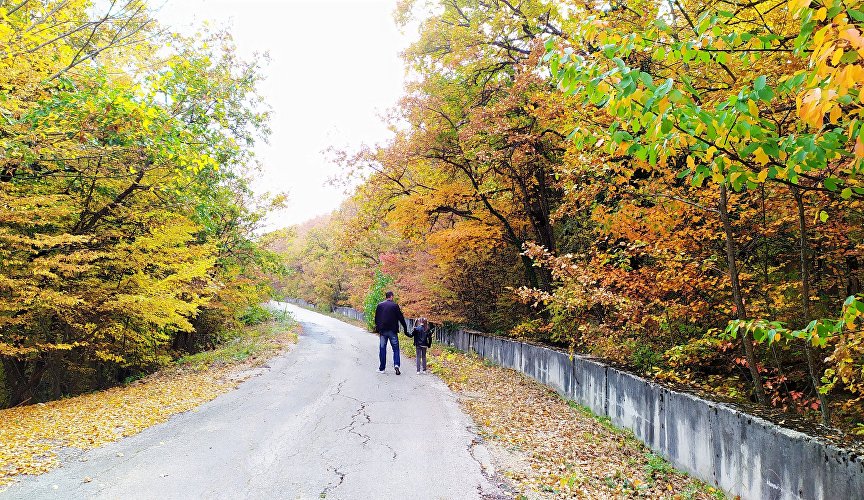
[(421, 358)]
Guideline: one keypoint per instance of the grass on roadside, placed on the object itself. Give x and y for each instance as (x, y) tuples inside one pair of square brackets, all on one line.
[(553, 448), (250, 342), (30, 436)]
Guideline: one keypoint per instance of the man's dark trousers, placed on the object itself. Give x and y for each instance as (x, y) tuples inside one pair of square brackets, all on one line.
[(393, 337)]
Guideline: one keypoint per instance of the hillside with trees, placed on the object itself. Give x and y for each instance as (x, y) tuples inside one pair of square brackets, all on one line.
[(671, 186)]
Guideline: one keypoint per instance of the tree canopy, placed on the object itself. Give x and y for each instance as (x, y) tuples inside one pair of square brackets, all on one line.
[(126, 222), (671, 185)]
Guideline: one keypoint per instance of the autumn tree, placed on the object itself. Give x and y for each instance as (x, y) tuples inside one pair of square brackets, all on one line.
[(125, 214), (709, 92), (673, 186)]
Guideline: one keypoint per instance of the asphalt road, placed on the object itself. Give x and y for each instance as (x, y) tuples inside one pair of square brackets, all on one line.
[(319, 422)]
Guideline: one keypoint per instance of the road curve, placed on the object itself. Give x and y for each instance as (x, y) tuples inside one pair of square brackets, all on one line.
[(319, 422)]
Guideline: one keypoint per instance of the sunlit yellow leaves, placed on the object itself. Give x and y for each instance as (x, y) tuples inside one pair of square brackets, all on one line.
[(818, 16), (663, 105), (835, 57), (795, 6), (819, 36), (761, 157), (853, 36), (709, 153), (835, 114), (835, 52), (752, 108), (111, 229), (813, 105), (850, 76)]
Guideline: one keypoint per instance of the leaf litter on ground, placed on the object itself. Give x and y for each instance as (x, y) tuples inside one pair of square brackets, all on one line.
[(31, 436), (551, 448)]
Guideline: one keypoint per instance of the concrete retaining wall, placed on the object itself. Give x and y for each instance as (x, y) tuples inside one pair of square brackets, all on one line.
[(351, 313), (737, 452), (299, 302)]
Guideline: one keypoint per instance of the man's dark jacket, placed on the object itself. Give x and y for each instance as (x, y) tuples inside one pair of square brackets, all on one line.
[(388, 317)]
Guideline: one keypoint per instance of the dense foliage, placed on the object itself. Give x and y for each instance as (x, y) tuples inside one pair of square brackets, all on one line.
[(126, 222), (672, 185), (381, 284)]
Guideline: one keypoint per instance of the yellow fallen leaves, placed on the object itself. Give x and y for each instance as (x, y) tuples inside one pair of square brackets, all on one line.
[(549, 449), (31, 435)]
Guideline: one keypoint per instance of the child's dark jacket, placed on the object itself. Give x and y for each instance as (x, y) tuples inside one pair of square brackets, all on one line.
[(420, 336)]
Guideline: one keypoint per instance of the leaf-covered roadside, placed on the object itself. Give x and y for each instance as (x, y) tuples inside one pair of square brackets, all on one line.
[(550, 448), (31, 436)]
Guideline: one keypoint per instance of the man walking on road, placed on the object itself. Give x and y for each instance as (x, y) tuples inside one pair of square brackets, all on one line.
[(388, 317)]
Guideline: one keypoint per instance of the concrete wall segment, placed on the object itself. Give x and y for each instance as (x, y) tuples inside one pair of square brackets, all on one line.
[(739, 453)]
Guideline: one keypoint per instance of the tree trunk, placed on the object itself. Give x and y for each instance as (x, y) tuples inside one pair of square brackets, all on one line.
[(809, 350), (764, 235), (737, 299), (530, 271), (22, 379), (853, 283)]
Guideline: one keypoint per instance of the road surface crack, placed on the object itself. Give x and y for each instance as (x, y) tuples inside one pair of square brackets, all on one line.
[(500, 487), (357, 421), (360, 418), (484, 467), (338, 392), (331, 486), (391, 450), (339, 388)]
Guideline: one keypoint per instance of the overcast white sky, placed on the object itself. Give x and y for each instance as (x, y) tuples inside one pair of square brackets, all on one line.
[(334, 68)]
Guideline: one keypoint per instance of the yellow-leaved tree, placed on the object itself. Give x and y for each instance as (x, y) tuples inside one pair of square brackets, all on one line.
[(126, 223)]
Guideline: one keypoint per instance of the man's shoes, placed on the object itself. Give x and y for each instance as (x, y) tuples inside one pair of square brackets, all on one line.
[(418, 371), (397, 370), (381, 371)]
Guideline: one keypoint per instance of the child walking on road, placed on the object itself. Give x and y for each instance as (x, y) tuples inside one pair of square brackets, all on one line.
[(422, 341)]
